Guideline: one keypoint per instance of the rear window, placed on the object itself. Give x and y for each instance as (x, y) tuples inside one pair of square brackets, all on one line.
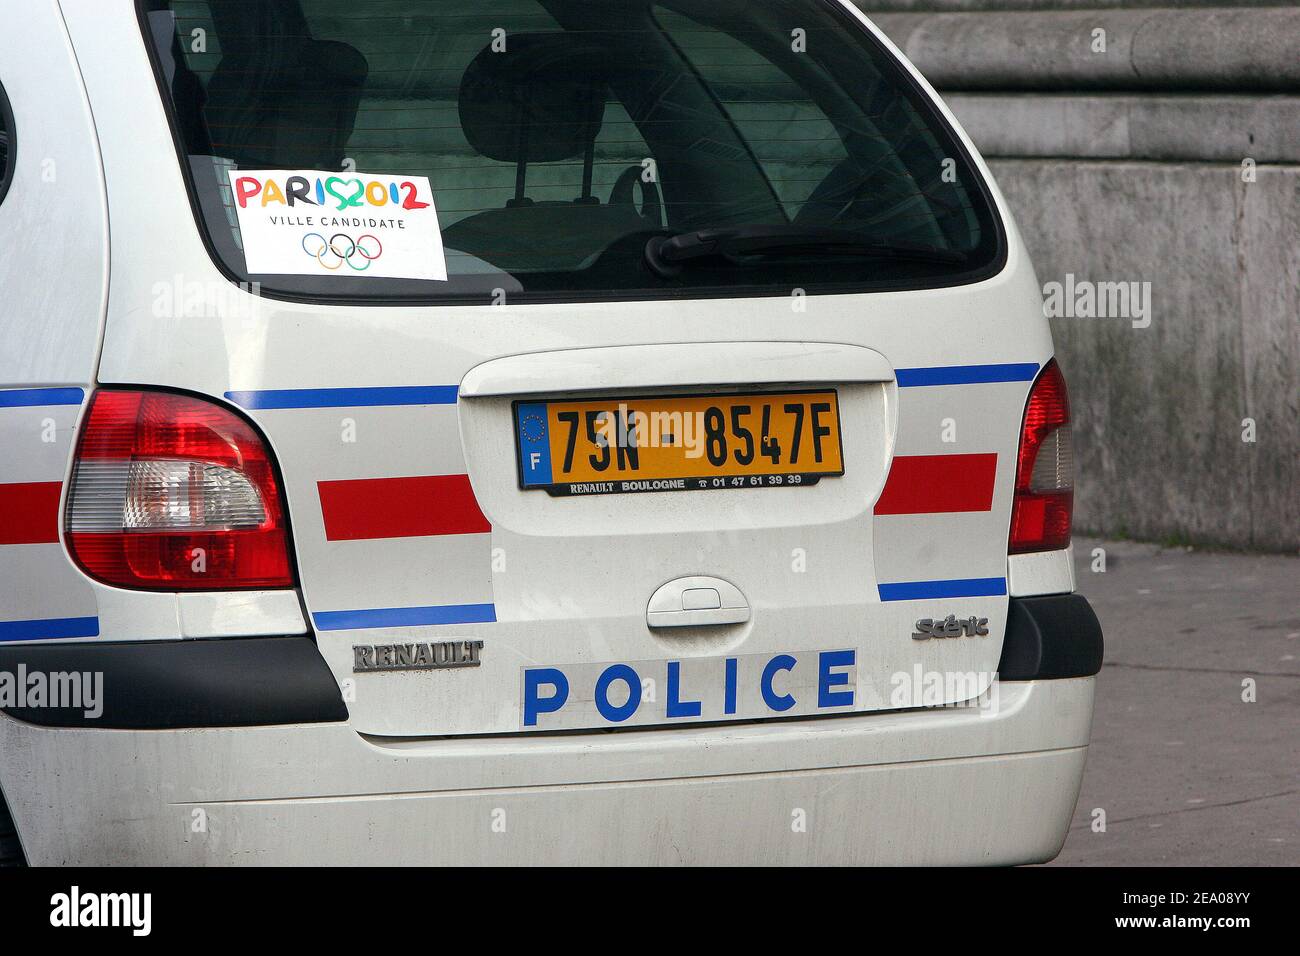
[(572, 150)]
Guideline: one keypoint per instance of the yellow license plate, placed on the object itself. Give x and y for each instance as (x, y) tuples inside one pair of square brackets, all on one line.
[(684, 443)]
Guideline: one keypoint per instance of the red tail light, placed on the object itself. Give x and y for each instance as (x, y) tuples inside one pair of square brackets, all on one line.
[(173, 493), (1044, 500)]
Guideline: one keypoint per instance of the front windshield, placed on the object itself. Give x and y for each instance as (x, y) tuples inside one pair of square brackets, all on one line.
[(556, 139)]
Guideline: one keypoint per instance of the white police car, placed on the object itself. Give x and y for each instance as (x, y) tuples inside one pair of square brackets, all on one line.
[(543, 431)]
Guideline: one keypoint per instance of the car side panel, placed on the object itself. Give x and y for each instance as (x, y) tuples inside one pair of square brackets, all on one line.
[(53, 288)]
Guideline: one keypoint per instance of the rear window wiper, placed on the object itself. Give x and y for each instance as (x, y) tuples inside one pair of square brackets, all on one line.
[(666, 254)]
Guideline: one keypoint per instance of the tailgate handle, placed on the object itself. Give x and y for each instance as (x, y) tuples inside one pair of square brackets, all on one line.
[(697, 601), (686, 365)]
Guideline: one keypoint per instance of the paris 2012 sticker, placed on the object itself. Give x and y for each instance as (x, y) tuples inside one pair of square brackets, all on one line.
[(317, 222)]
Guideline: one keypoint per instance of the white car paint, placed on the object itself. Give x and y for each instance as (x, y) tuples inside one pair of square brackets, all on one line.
[(935, 787), (81, 311)]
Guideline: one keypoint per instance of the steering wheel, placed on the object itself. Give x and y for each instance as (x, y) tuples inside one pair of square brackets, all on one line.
[(651, 200)]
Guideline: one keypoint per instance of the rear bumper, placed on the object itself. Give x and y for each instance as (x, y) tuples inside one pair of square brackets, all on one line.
[(993, 785), (1049, 638)]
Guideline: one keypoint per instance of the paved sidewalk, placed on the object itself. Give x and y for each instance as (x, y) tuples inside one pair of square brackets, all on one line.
[(1187, 773)]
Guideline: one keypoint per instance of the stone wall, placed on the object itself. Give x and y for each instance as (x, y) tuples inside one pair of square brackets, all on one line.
[(1170, 157)]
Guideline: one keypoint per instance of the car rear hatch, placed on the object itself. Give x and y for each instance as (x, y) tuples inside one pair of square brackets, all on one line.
[(625, 363)]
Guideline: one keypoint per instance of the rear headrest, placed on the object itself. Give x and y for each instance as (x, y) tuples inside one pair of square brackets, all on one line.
[(292, 104), (541, 100)]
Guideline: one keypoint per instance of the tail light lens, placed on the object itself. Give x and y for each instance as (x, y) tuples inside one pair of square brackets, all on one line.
[(173, 493), (1043, 507)]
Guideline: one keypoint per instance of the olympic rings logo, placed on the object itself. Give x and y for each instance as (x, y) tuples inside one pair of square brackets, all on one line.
[(342, 248)]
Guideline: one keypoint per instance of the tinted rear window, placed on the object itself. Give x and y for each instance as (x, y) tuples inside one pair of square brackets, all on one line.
[(560, 137)]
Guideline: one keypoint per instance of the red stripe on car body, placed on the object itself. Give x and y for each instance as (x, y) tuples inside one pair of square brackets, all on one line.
[(938, 484), (29, 512), (369, 508)]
